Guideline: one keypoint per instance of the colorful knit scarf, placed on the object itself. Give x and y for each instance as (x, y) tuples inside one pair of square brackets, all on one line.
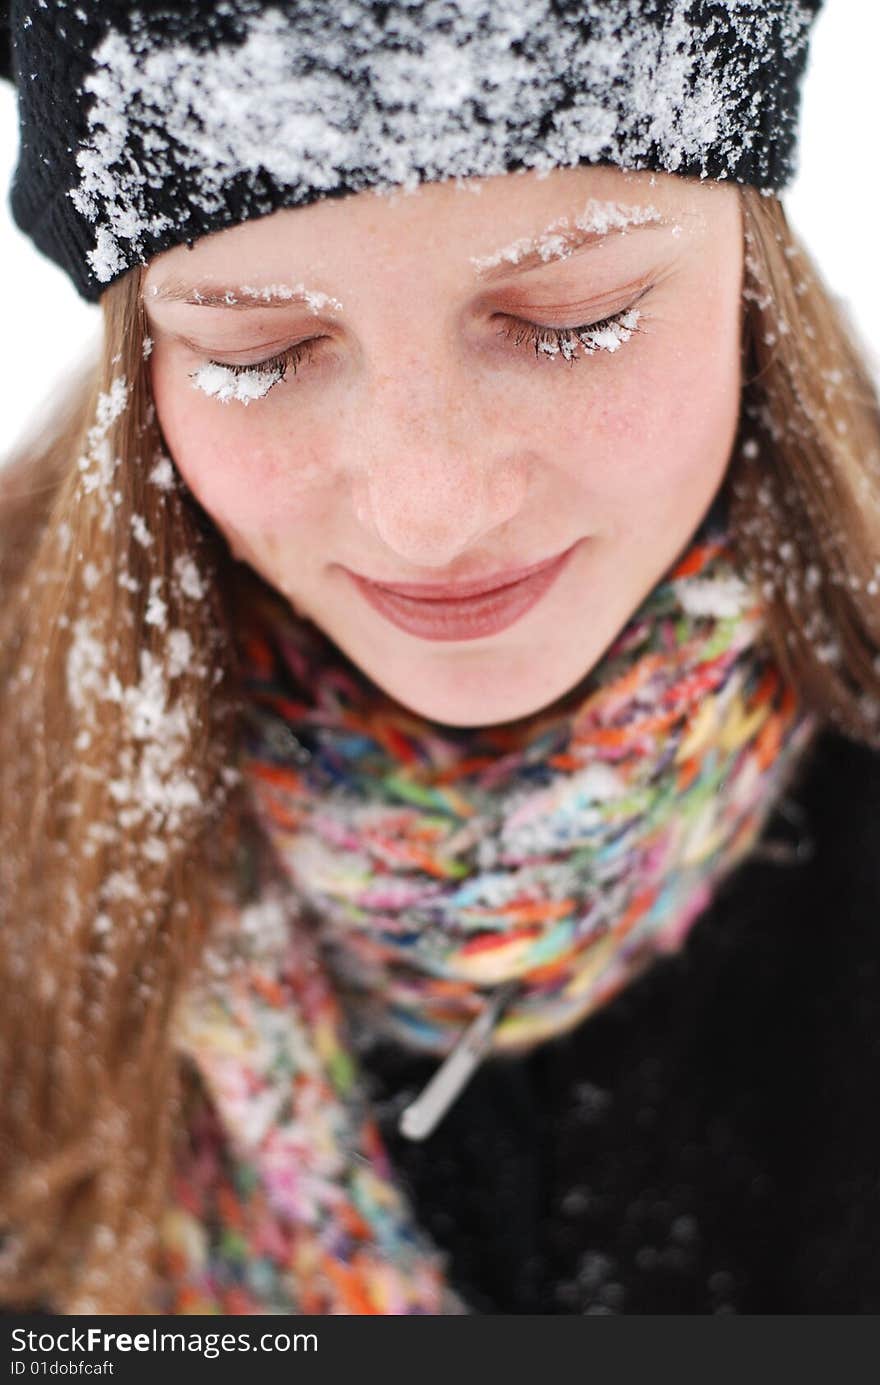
[(416, 868)]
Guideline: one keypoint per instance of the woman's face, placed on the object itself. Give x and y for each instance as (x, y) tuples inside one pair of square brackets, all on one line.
[(441, 426)]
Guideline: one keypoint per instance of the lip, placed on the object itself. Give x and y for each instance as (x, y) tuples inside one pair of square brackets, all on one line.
[(463, 610), (455, 591)]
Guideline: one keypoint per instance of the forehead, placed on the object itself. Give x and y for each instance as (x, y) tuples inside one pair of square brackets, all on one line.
[(466, 220)]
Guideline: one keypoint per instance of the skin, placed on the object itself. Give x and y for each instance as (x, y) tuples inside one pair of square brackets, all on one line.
[(421, 444)]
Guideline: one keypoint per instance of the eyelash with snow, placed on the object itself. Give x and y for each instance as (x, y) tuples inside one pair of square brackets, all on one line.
[(245, 383), (607, 335)]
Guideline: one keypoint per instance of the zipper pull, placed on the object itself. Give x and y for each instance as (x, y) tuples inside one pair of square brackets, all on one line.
[(421, 1116)]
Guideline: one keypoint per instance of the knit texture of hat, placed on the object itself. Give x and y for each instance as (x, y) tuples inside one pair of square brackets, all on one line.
[(144, 127)]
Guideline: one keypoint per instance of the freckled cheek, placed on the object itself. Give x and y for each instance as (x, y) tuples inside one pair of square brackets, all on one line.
[(250, 472), (652, 422)]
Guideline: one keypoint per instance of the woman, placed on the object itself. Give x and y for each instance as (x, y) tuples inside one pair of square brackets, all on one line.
[(449, 611)]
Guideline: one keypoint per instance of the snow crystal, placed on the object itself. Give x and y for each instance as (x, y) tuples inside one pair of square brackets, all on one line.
[(612, 335), (121, 884), (180, 652), (157, 609), (91, 576), (225, 383), (558, 240), (315, 301), (162, 474), (85, 664), (718, 596), (96, 467), (112, 405), (154, 849), (599, 783), (97, 464), (266, 922), (828, 652), (113, 689), (430, 91), (152, 786), (126, 581), (158, 790), (189, 578), (140, 531), (608, 336)]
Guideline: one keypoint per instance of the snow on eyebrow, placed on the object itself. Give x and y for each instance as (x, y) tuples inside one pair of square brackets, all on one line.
[(313, 298), (558, 240), (391, 100), (245, 296)]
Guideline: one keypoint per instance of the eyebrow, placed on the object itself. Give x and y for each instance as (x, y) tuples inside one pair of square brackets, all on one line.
[(240, 299), (566, 242)]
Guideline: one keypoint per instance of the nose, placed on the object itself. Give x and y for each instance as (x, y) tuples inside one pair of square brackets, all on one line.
[(435, 474)]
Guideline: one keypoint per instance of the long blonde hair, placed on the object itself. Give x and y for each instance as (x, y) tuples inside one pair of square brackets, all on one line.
[(118, 796)]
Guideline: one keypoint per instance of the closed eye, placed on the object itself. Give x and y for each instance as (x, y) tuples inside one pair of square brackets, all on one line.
[(247, 383), (608, 334)]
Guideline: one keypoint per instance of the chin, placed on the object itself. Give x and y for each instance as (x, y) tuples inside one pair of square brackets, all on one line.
[(466, 686), (486, 706)]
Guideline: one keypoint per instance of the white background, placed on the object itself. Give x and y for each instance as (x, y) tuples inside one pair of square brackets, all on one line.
[(46, 327)]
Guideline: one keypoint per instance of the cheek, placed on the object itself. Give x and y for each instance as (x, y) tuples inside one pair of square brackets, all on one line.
[(244, 463), (657, 422)]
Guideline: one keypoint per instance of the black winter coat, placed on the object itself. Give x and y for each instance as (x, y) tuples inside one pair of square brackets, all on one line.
[(710, 1142)]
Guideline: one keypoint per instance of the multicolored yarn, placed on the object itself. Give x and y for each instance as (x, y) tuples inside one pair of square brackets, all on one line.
[(283, 1199), (562, 851), (428, 864)]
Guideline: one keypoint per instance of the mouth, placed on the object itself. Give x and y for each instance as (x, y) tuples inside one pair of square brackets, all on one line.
[(464, 610)]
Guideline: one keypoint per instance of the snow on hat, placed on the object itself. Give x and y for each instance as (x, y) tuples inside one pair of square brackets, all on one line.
[(144, 127)]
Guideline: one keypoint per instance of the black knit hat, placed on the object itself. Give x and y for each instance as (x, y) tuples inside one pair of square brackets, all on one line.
[(147, 126)]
